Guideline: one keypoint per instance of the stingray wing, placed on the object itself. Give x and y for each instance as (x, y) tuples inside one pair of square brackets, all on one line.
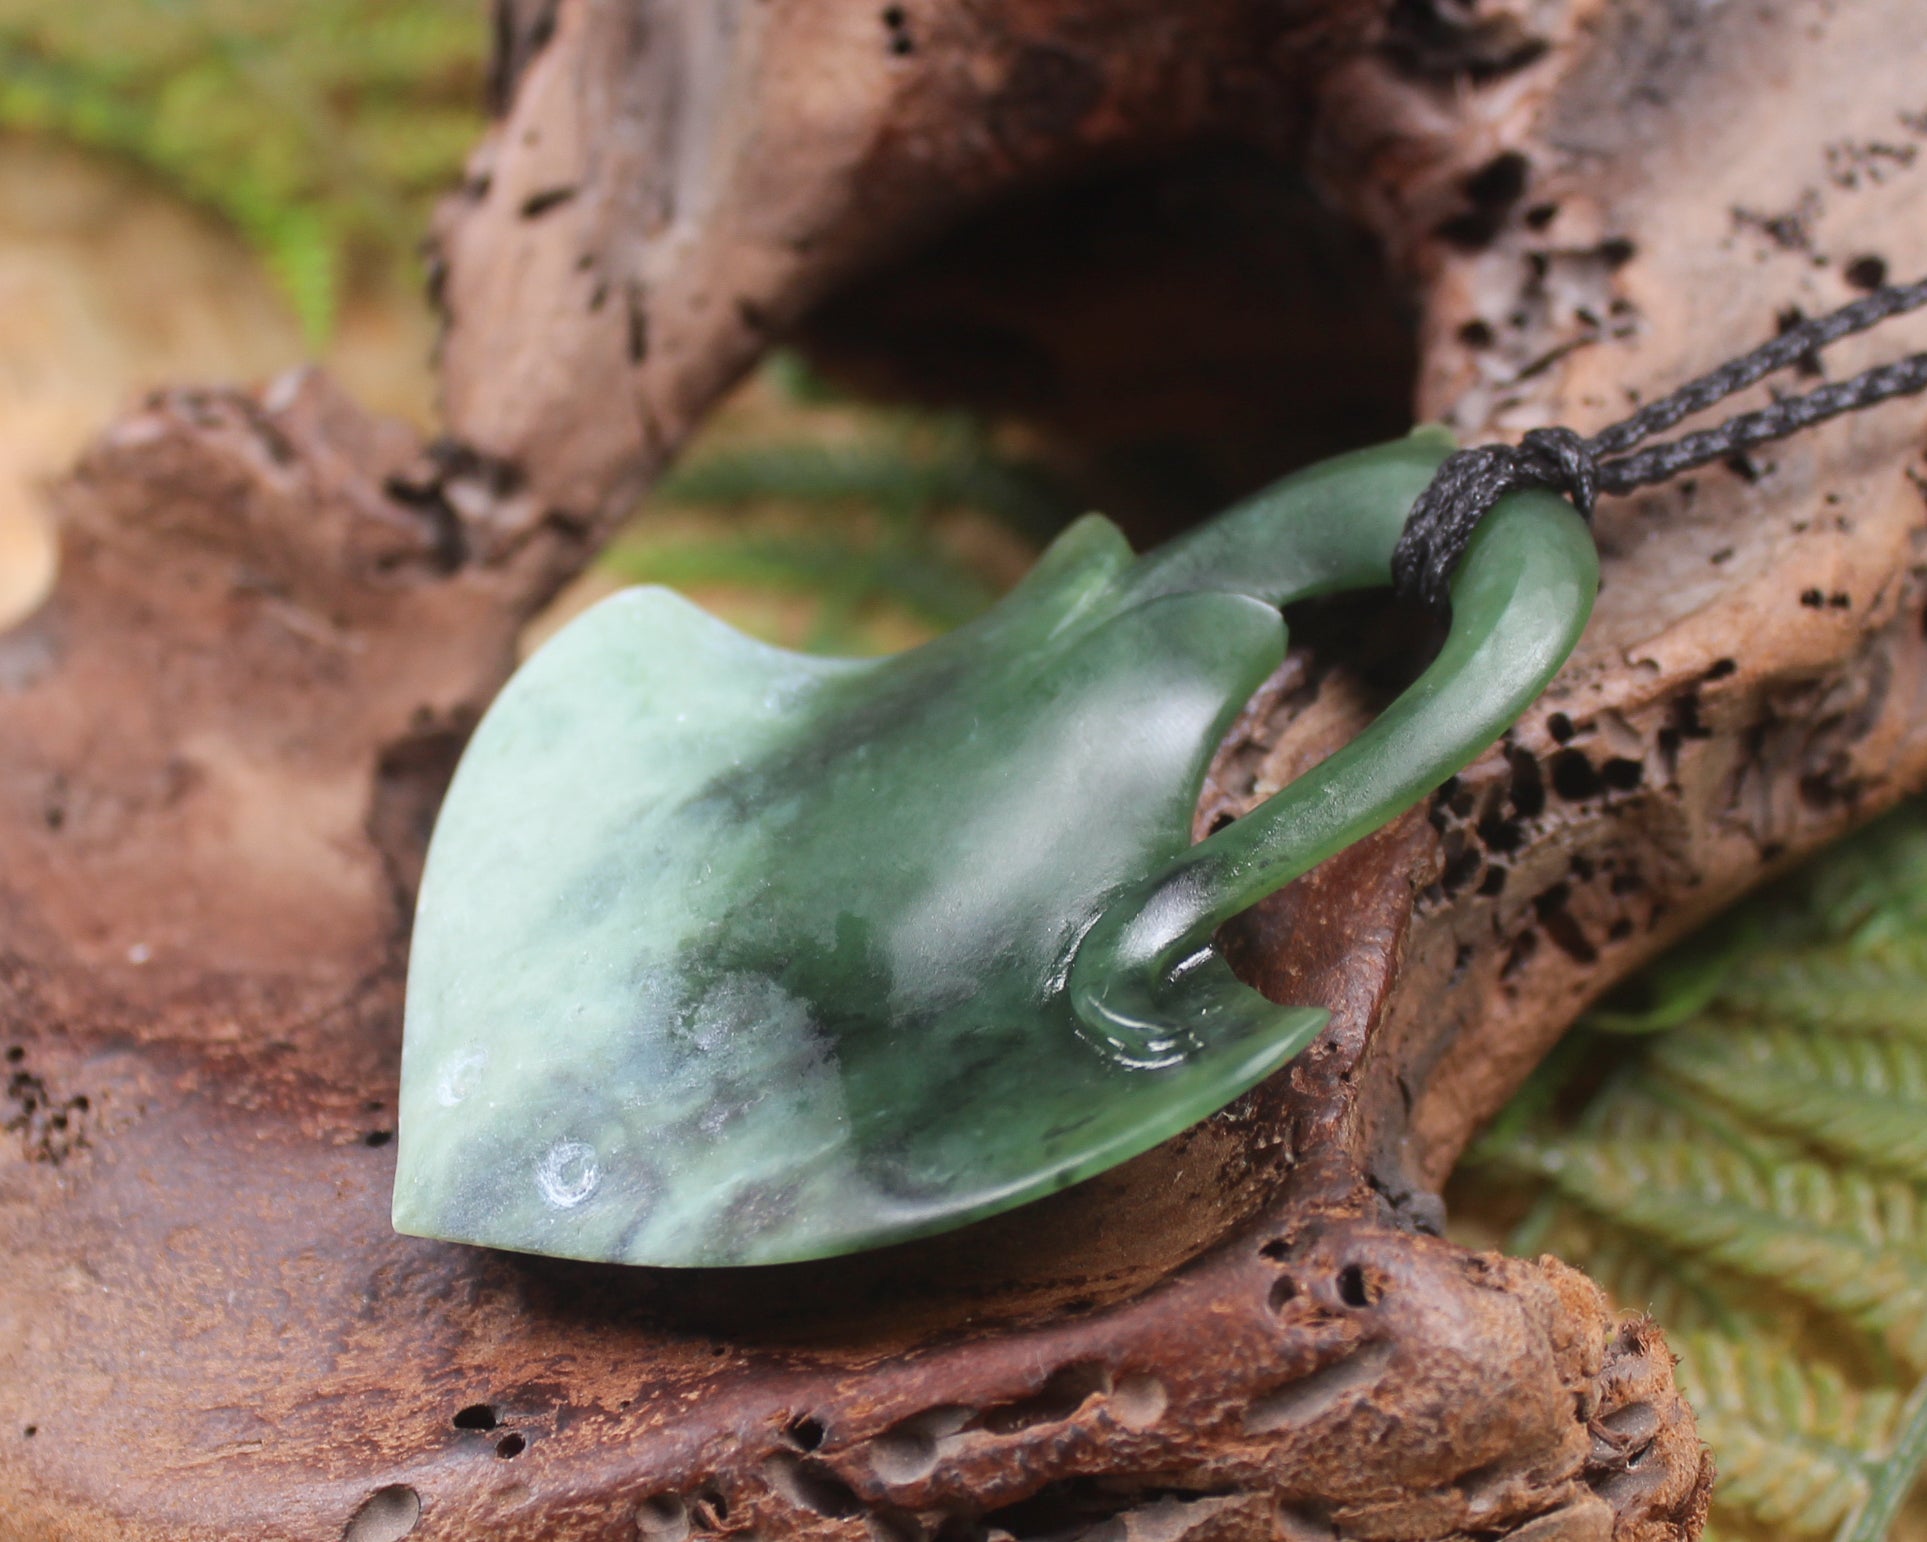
[(730, 955)]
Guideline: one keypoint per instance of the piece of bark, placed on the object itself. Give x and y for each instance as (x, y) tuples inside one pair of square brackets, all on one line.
[(225, 736)]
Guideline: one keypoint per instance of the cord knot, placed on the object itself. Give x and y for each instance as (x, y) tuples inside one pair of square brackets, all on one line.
[(1468, 483), (1564, 462)]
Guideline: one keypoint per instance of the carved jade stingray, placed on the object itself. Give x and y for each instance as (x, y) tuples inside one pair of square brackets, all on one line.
[(728, 955)]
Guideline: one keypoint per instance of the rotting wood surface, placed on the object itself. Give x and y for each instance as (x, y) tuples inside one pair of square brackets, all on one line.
[(225, 736)]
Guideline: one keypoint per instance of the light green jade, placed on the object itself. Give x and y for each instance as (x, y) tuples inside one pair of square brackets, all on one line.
[(727, 955)]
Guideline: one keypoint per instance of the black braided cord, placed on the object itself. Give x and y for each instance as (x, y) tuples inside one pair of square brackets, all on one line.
[(1471, 481)]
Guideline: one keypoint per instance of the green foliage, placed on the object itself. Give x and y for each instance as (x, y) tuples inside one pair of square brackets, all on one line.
[(1792, 1439), (1740, 1147), (321, 129), (851, 510)]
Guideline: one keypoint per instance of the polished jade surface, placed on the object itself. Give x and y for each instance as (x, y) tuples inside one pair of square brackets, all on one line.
[(729, 955)]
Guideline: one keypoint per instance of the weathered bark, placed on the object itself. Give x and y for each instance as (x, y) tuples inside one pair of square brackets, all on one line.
[(225, 735)]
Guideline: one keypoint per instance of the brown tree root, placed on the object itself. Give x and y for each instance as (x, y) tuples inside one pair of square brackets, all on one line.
[(222, 740)]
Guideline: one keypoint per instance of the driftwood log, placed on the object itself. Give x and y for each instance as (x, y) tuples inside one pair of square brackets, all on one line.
[(1263, 229)]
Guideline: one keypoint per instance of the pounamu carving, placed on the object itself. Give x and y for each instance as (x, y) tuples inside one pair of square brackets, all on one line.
[(727, 955)]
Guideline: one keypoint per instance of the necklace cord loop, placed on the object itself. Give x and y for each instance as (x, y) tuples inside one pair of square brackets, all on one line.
[(1471, 481)]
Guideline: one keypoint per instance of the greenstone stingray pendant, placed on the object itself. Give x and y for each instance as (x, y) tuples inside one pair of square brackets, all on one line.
[(727, 955)]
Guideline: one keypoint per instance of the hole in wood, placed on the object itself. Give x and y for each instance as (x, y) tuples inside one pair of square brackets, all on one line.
[(387, 1515), (663, 1518), (1060, 1397), (477, 1416), (1139, 1402), (909, 1451), (816, 1487), (1300, 1402)]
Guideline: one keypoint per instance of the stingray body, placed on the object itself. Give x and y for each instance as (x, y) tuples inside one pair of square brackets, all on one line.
[(729, 955)]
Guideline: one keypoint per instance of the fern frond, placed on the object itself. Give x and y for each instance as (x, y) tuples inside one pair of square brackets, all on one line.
[(1635, 1107), (1860, 1098), (800, 473), (1793, 1439), (874, 516), (899, 478), (1844, 1243), (1753, 1168), (1876, 986), (1894, 1476), (821, 564), (1681, 1292), (1635, 1110), (1873, 884)]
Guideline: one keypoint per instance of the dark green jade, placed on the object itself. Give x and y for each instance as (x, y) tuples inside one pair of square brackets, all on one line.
[(727, 955)]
